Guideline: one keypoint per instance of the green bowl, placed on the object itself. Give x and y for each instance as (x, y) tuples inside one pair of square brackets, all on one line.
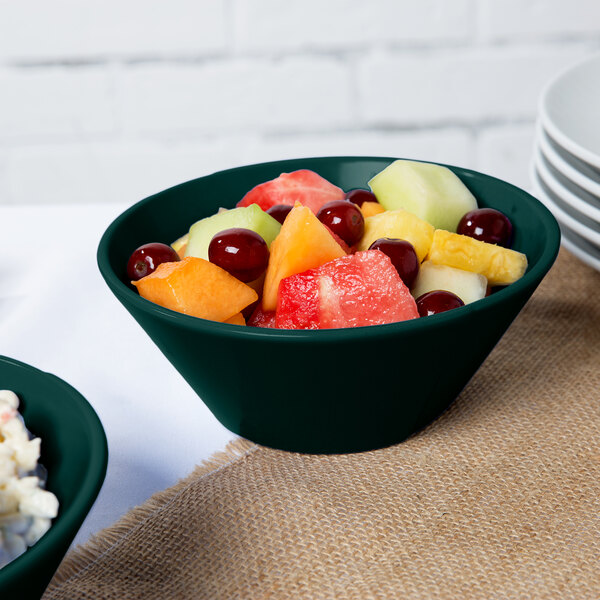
[(74, 452), (328, 391)]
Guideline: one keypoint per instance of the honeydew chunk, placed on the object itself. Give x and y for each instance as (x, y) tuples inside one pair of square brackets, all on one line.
[(398, 224), (248, 217), (501, 266), (466, 285), (432, 192)]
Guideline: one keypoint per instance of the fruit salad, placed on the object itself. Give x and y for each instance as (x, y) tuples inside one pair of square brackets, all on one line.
[(26, 509), (298, 252)]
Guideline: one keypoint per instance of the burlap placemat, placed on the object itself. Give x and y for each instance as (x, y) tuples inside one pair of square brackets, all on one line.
[(498, 498)]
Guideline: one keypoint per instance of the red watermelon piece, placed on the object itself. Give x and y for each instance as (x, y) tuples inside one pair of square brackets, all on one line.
[(261, 318), (304, 186), (352, 291), (339, 240), (298, 301)]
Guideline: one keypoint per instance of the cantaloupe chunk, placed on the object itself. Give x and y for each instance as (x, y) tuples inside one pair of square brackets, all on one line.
[(399, 224), (257, 284), (369, 209), (196, 287), (237, 319), (303, 243), (501, 266)]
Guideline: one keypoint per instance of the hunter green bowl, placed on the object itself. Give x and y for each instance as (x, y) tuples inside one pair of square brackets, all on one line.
[(328, 391), (74, 452)]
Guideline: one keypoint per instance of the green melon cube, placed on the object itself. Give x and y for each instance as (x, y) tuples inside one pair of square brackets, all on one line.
[(247, 217), (432, 192)]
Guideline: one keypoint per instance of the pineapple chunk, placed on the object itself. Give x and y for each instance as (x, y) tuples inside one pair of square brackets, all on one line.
[(180, 244), (501, 266), (398, 224)]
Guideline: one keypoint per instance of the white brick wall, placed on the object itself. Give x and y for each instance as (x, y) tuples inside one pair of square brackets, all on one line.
[(297, 25), (104, 101), (542, 19), (458, 85), (39, 102), (74, 30), (236, 96)]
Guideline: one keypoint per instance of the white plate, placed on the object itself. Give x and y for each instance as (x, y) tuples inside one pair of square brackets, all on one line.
[(569, 110), (568, 165), (586, 207), (562, 214), (581, 248)]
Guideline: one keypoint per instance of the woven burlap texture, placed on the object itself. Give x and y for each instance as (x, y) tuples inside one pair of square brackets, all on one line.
[(498, 498)]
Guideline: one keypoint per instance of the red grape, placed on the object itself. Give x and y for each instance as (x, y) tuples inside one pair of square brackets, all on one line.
[(280, 211), (146, 258), (344, 219), (359, 196), (241, 252), (403, 256), (487, 225), (436, 302)]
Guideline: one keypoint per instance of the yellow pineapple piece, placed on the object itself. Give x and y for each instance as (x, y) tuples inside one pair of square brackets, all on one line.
[(303, 243), (180, 244), (369, 209), (399, 224), (501, 266)]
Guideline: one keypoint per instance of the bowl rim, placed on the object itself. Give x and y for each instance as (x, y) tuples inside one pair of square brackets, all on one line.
[(127, 295), (73, 515)]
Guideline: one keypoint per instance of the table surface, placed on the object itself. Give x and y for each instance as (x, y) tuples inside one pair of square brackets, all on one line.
[(57, 314)]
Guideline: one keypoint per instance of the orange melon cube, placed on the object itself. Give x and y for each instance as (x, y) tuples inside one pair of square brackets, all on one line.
[(257, 284), (369, 209), (196, 287), (237, 319), (303, 243)]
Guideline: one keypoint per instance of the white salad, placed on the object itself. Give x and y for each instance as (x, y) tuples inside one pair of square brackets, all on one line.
[(26, 508)]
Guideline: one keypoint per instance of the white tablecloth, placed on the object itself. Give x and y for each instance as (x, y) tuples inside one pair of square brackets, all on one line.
[(57, 314)]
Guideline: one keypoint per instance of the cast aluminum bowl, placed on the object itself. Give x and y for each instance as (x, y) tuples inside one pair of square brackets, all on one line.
[(74, 451), (328, 391)]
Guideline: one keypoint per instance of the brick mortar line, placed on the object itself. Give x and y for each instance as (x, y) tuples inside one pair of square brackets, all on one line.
[(474, 129), (384, 50)]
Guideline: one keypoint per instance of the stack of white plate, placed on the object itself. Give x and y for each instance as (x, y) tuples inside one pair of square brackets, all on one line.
[(565, 170)]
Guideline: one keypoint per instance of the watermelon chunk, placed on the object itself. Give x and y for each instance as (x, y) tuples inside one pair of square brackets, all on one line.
[(261, 317), (304, 186), (339, 240), (351, 291)]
